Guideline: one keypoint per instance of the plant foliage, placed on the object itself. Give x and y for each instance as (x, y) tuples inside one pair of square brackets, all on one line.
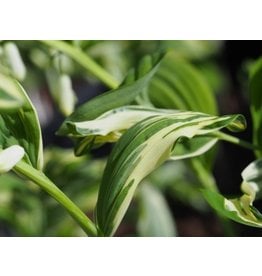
[(164, 109)]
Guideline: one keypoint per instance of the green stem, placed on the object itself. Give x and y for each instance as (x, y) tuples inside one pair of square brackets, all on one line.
[(237, 141), (83, 59), (47, 185)]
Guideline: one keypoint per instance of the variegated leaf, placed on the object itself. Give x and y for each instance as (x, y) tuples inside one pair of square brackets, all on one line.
[(142, 149), (110, 126), (21, 126), (134, 84), (178, 84), (241, 209)]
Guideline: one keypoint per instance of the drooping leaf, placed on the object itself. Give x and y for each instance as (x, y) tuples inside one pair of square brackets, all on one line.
[(109, 126), (255, 89), (21, 127), (141, 149), (241, 209), (155, 218)]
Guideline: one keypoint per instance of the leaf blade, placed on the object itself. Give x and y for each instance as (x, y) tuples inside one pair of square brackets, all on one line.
[(241, 209), (22, 127), (144, 147)]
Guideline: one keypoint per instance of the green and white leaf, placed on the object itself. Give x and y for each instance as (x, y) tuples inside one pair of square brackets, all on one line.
[(255, 89), (241, 209), (134, 84), (142, 149), (110, 126), (155, 218), (21, 127)]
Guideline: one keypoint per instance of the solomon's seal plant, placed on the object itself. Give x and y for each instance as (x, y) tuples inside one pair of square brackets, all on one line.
[(162, 111)]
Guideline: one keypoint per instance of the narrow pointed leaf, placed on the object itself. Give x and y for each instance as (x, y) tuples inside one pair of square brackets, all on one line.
[(241, 209), (141, 149), (134, 84)]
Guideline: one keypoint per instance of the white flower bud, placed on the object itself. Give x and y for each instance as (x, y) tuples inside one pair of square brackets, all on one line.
[(14, 60), (65, 95), (9, 157)]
